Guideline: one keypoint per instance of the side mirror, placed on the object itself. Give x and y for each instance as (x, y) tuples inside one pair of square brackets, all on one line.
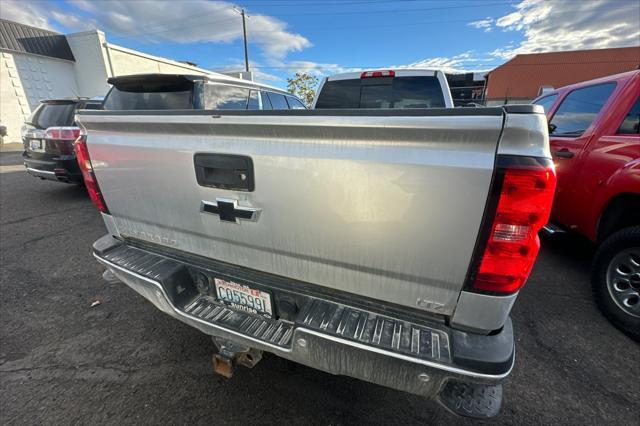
[(552, 128)]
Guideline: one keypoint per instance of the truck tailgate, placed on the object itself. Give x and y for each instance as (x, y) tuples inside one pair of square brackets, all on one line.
[(385, 205)]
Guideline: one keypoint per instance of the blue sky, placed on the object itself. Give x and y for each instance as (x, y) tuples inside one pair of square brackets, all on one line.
[(356, 33), (324, 37)]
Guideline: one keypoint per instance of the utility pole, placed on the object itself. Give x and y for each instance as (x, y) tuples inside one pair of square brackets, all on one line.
[(244, 33)]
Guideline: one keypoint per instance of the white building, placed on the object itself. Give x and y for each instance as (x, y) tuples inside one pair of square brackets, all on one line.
[(39, 64)]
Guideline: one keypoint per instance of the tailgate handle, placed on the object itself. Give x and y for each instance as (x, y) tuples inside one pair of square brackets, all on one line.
[(225, 171)]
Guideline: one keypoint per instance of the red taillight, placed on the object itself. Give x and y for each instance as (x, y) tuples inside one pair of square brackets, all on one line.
[(385, 73), (62, 138), (526, 187), (62, 133), (82, 154)]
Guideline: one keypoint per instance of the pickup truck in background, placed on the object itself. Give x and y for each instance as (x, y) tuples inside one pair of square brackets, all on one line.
[(594, 136), (385, 245), (394, 89)]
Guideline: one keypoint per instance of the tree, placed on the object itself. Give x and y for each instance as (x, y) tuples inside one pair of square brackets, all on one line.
[(303, 86)]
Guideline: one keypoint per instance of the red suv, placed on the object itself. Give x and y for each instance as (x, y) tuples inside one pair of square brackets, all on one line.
[(593, 133)]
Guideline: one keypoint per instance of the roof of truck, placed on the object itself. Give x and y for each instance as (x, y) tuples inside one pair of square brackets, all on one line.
[(403, 72)]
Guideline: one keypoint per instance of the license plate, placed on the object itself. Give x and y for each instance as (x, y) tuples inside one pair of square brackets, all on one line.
[(35, 144), (243, 297)]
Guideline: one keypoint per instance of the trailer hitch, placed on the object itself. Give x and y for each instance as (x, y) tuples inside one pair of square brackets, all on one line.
[(231, 354)]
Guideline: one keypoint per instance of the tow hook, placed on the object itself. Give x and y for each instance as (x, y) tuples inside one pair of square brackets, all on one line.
[(231, 354)]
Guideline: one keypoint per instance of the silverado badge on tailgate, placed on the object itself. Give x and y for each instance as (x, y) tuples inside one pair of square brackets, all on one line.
[(229, 211)]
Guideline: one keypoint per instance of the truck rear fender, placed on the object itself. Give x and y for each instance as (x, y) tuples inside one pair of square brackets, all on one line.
[(524, 135)]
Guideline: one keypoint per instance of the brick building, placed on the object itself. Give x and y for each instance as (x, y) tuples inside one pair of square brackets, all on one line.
[(524, 77)]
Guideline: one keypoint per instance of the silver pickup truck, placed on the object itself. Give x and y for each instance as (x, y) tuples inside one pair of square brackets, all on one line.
[(386, 245)]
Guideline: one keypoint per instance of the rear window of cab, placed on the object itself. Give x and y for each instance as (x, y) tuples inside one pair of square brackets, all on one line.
[(382, 92)]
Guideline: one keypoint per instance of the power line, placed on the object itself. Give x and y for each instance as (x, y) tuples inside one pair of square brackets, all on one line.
[(404, 24), (191, 25), (297, 3), (504, 64), (271, 4), (346, 27), (396, 10), (325, 3)]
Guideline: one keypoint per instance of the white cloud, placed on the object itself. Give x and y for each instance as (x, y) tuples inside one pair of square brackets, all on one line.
[(273, 37), (86, 5), (184, 21), (74, 21), (460, 63), (556, 25), (484, 24), (550, 25), (29, 13), (509, 20), (317, 69)]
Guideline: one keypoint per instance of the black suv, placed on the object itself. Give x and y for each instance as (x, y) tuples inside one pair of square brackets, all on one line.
[(48, 137)]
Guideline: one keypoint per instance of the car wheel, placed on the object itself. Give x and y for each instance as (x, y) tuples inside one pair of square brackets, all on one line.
[(616, 280)]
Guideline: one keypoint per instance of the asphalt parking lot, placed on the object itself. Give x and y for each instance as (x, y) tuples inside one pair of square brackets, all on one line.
[(63, 361)]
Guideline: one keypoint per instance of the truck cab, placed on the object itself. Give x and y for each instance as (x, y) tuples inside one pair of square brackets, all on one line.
[(594, 140)]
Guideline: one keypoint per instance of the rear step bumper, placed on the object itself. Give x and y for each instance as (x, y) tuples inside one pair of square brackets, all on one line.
[(421, 357)]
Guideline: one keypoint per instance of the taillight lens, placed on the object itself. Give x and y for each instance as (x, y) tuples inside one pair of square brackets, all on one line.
[(82, 154), (373, 74), (524, 189), (62, 133), (62, 138)]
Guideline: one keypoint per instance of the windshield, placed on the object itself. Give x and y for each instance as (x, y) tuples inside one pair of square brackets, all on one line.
[(384, 92)]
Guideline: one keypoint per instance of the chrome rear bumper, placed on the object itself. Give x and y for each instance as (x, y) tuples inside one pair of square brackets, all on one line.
[(412, 356), (44, 174)]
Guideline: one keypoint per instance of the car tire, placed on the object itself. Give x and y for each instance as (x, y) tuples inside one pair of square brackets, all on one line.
[(615, 280)]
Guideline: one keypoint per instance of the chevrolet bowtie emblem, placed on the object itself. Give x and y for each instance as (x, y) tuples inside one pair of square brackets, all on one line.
[(229, 211)]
